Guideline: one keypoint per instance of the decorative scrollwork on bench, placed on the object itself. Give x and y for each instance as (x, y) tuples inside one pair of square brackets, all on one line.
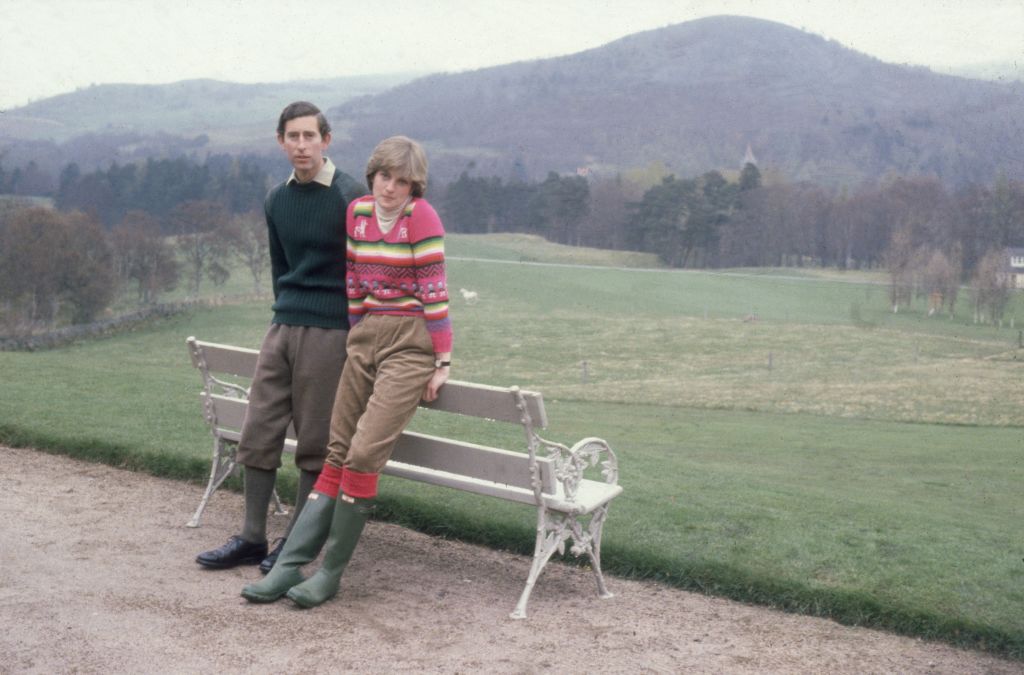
[(571, 463)]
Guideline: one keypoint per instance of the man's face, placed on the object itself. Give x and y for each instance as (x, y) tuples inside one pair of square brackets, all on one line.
[(304, 146)]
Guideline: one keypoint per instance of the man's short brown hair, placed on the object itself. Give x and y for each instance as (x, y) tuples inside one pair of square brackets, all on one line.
[(302, 109)]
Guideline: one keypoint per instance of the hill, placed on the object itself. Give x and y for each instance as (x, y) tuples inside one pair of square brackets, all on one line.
[(128, 122), (1001, 71), (188, 108), (693, 95)]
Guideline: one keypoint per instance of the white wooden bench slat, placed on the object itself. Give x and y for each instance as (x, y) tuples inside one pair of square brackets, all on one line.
[(554, 483), (464, 483), (495, 403), (236, 435), (474, 461), (227, 359), (464, 398), (230, 413)]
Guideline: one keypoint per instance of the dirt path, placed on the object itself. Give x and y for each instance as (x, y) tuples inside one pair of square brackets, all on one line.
[(97, 575)]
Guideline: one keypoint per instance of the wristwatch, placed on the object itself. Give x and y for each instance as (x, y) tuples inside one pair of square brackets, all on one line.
[(438, 363)]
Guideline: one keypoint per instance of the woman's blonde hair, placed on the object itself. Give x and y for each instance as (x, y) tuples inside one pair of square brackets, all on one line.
[(402, 156)]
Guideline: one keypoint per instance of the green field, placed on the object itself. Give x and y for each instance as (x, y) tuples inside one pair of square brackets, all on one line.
[(783, 437)]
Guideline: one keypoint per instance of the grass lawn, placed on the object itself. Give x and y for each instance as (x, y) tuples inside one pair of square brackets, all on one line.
[(776, 445)]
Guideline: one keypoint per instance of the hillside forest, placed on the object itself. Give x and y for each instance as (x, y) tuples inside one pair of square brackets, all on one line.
[(146, 229)]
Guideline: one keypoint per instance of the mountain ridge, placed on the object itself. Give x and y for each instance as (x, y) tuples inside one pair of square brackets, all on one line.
[(192, 106), (690, 96), (693, 95)]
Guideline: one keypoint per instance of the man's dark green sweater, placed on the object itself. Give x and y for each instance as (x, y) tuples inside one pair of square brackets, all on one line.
[(306, 226)]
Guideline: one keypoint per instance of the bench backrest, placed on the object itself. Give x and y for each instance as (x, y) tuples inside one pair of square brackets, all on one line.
[(225, 359), (229, 413), (463, 398), (226, 412)]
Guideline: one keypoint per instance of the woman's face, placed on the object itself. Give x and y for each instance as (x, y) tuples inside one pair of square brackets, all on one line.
[(390, 190)]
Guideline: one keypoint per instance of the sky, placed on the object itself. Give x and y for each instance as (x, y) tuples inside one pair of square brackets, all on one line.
[(49, 47)]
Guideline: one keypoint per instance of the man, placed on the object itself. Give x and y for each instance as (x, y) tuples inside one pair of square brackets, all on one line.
[(303, 351)]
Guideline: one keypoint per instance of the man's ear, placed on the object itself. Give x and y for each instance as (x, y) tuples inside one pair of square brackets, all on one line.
[(326, 139)]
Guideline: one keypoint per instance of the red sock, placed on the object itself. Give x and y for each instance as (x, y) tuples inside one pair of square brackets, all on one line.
[(361, 485), (329, 481)]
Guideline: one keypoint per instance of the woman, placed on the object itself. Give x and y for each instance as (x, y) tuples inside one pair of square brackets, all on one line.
[(399, 351)]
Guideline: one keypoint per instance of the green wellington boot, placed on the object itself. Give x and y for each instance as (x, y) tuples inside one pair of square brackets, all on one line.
[(347, 526), (302, 546)]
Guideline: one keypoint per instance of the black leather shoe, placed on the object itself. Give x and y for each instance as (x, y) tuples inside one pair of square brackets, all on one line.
[(268, 562), (236, 551)]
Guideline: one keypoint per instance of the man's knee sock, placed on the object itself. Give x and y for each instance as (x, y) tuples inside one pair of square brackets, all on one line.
[(259, 488), (306, 481)]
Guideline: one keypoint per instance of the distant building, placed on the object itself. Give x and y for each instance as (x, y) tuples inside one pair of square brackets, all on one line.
[(1014, 267), (749, 157)]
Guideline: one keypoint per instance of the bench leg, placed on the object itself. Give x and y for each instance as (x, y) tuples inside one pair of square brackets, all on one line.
[(223, 466), (279, 509), (552, 531), (547, 544), (593, 549)]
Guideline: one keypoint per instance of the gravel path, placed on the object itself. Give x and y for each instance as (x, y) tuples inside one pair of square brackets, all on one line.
[(97, 575)]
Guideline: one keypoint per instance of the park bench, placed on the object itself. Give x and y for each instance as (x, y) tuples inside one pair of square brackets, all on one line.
[(571, 488)]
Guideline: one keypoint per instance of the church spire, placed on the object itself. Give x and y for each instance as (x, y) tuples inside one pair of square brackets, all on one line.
[(749, 157)]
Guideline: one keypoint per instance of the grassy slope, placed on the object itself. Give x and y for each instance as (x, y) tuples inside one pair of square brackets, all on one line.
[(731, 486)]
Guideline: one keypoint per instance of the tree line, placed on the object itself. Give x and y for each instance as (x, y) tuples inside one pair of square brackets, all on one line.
[(931, 239), (65, 267), (703, 221), (159, 186), (143, 228), (148, 228)]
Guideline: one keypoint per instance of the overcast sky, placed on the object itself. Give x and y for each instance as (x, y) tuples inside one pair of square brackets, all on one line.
[(49, 47)]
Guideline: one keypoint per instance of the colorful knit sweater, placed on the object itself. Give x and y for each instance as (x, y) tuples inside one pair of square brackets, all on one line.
[(399, 273)]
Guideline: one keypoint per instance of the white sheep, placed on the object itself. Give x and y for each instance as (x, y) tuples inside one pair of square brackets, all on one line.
[(469, 296)]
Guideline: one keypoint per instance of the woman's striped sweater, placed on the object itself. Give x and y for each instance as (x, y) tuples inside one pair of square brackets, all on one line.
[(401, 272)]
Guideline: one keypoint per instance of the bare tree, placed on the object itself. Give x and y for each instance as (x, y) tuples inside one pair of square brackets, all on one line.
[(204, 242), (606, 225), (809, 210), (248, 232), (922, 208), (143, 257), (87, 278), (990, 287), (899, 260), (53, 266), (29, 289), (940, 281)]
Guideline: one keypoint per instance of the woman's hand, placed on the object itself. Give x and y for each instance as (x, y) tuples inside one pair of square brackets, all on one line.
[(439, 377)]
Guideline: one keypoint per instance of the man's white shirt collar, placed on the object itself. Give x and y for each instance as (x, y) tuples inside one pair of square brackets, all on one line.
[(323, 176)]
